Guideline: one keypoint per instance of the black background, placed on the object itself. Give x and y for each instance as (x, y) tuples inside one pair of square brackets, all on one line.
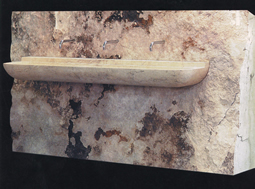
[(18, 170)]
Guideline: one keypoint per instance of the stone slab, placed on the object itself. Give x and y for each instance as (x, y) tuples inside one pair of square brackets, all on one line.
[(207, 127)]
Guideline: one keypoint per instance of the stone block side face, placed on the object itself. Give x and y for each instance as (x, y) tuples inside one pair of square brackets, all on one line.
[(191, 128), (244, 151), (252, 103)]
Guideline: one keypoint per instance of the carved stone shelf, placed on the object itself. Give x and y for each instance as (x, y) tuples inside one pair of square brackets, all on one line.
[(109, 71)]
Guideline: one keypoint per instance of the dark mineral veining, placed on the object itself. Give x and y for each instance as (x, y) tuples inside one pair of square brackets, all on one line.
[(151, 122), (174, 102), (116, 56), (84, 39), (76, 150), (52, 19), (97, 150), (15, 135), (166, 157), (170, 132), (98, 15), (228, 164), (87, 87), (115, 16), (107, 88), (16, 28), (76, 106), (131, 16), (49, 90), (98, 133), (179, 121)]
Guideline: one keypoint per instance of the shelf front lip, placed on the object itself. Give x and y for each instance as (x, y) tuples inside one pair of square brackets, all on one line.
[(83, 65), (111, 63), (113, 74)]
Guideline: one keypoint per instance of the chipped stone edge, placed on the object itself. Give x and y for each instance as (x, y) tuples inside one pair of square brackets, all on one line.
[(245, 142)]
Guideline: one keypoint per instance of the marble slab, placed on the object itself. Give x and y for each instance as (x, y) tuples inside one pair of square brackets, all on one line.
[(206, 127)]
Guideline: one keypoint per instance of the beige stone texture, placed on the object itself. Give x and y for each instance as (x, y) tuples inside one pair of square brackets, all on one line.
[(207, 127), (104, 71)]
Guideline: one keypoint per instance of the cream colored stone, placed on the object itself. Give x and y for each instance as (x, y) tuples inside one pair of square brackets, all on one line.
[(244, 151), (106, 71), (206, 127)]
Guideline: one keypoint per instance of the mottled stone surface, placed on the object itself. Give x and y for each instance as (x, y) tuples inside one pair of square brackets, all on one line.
[(190, 128)]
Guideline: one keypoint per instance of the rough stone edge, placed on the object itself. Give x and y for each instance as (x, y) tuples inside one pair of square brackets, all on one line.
[(244, 148), (252, 100)]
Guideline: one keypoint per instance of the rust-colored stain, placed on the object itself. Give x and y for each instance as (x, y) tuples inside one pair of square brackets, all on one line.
[(183, 55), (108, 134), (201, 103), (124, 139), (88, 54), (111, 132), (191, 43)]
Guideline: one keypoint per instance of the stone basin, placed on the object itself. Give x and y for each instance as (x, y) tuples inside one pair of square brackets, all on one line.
[(109, 71)]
